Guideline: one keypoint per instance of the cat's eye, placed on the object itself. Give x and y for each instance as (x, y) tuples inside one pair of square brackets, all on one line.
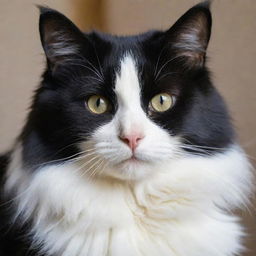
[(161, 102), (97, 104)]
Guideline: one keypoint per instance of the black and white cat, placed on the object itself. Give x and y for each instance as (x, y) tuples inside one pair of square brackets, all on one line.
[(128, 149)]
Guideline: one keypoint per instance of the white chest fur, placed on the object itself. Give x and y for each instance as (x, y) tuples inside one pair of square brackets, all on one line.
[(175, 213)]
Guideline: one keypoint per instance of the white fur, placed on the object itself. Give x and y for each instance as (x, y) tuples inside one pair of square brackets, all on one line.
[(189, 41), (179, 205), (62, 45), (190, 45), (168, 203)]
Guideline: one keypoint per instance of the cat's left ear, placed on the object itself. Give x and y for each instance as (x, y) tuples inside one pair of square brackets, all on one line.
[(61, 39), (190, 35)]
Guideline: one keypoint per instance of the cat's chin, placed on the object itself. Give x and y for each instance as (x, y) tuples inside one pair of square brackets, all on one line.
[(130, 169)]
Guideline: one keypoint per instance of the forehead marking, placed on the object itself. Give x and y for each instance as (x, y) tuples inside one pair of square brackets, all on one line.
[(127, 86)]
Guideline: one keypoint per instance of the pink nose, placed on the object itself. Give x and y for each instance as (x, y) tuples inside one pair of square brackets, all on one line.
[(131, 140)]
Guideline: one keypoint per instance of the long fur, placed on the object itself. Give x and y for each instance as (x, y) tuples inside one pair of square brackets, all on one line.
[(187, 201), (72, 186)]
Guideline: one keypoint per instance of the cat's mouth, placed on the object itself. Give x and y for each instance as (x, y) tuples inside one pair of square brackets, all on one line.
[(133, 160)]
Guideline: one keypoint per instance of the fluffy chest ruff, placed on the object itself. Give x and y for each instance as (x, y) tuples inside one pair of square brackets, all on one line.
[(179, 211)]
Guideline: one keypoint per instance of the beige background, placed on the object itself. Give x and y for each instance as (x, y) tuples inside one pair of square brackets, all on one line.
[(232, 53)]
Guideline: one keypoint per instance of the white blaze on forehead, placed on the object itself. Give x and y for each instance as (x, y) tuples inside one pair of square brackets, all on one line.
[(127, 85)]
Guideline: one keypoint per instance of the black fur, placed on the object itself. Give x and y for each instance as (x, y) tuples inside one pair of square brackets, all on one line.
[(59, 118)]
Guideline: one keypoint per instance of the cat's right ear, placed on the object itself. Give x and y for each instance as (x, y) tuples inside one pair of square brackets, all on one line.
[(61, 39)]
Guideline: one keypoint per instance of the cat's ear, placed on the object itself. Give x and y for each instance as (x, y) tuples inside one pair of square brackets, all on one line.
[(190, 35), (60, 38)]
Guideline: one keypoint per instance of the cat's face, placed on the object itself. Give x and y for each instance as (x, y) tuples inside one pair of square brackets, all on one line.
[(127, 104), (131, 142)]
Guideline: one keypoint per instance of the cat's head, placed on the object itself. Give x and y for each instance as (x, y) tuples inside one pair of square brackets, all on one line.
[(126, 104)]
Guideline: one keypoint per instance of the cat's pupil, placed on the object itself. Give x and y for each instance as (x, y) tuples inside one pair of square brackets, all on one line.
[(161, 100), (98, 101)]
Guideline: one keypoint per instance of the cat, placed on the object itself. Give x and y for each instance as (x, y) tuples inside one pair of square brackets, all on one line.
[(128, 149)]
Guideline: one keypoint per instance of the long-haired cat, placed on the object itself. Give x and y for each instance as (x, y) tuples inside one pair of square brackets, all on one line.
[(128, 149)]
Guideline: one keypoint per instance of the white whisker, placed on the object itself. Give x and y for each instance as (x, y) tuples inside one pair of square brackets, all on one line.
[(163, 66)]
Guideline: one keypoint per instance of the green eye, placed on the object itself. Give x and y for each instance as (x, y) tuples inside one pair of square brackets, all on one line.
[(161, 102), (97, 104)]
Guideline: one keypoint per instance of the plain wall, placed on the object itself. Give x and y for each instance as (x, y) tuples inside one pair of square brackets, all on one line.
[(232, 55)]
